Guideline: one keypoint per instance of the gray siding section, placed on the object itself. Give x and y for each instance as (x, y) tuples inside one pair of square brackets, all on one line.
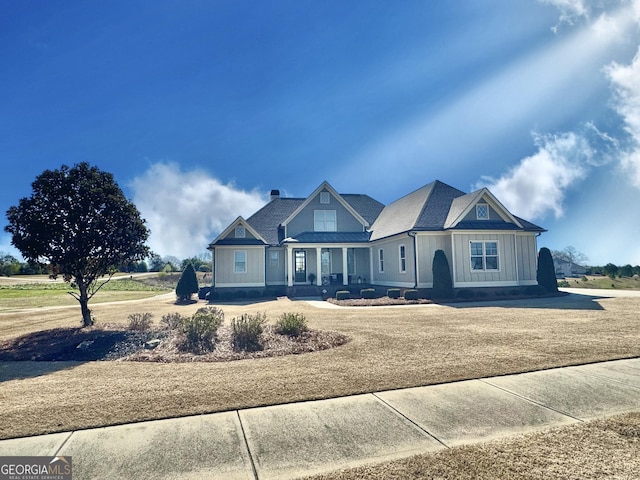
[(247, 234), (427, 246), (392, 275), (473, 217), (506, 275), (275, 267), (303, 222), (224, 264), (527, 258)]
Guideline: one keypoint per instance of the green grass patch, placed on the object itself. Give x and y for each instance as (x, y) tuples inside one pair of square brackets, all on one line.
[(593, 281), (35, 295)]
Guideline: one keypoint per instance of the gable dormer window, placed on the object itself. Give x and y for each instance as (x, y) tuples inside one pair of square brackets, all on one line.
[(325, 198), (240, 232), (482, 211), (324, 221)]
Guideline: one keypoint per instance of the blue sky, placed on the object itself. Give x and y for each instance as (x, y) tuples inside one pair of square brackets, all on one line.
[(200, 108)]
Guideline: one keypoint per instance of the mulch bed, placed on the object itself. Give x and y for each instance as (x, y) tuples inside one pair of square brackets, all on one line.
[(111, 342)]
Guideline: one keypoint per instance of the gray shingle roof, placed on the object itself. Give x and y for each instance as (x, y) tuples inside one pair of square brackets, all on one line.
[(433, 208), (430, 208)]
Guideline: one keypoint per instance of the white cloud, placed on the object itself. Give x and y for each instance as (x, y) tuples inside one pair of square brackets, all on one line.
[(570, 11), (185, 210), (539, 183), (625, 80)]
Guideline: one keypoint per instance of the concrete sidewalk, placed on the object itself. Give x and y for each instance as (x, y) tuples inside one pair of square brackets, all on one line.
[(288, 441)]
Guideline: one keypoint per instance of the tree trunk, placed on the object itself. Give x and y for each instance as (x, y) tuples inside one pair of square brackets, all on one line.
[(87, 321)]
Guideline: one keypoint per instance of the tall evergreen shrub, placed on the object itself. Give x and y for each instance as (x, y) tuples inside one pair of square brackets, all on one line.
[(187, 285), (442, 283), (546, 274)]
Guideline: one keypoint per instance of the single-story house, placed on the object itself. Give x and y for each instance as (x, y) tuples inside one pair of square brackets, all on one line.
[(329, 239)]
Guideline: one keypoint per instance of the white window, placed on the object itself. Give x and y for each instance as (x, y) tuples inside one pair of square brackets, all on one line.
[(324, 221), (482, 211), (484, 256), (240, 261), (403, 259), (274, 259), (240, 232), (381, 261), (325, 198)]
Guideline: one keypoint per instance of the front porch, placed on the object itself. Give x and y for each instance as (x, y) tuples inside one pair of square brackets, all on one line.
[(322, 266)]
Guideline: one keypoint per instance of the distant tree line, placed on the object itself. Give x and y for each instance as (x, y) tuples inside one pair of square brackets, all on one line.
[(10, 265)]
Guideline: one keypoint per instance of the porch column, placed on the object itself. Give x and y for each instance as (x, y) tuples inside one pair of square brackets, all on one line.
[(289, 266), (345, 267), (318, 266)]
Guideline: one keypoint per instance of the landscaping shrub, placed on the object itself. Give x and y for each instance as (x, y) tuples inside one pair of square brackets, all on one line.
[(343, 295), (246, 331), (442, 283), (546, 275), (411, 294), (368, 293), (140, 321), (187, 285), (292, 324), (393, 293), (563, 283), (201, 330), (171, 321), (202, 292)]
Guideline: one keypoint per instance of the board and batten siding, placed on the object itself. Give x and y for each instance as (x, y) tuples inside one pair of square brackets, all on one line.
[(275, 266), (427, 246), (465, 277), (225, 272), (527, 259)]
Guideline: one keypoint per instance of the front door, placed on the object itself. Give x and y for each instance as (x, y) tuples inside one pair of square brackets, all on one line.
[(301, 266)]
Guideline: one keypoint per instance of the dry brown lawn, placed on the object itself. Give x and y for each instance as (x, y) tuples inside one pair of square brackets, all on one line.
[(390, 347), (607, 448)]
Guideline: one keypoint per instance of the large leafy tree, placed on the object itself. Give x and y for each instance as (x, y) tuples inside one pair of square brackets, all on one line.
[(78, 221)]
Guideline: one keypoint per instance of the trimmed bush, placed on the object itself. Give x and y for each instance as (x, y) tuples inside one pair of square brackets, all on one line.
[(202, 292), (343, 295), (171, 321), (546, 274), (442, 283), (411, 294), (187, 285), (368, 293), (201, 330), (292, 324), (393, 293), (140, 321), (247, 331)]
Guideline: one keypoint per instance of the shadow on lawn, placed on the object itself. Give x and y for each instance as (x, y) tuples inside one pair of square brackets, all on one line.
[(560, 302), (40, 353)]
